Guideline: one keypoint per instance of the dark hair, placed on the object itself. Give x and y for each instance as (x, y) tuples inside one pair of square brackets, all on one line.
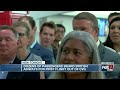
[(22, 24), (114, 19), (60, 25), (108, 41), (30, 19), (87, 16), (2, 27), (48, 24), (113, 14)]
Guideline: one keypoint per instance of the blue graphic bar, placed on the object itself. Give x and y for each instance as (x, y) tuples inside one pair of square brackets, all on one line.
[(51, 67)]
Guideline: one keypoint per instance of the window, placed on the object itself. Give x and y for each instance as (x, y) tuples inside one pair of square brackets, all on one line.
[(102, 24)]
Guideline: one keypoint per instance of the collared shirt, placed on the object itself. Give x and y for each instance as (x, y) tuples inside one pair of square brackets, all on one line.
[(3, 74), (118, 52), (50, 48), (33, 44), (98, 43)]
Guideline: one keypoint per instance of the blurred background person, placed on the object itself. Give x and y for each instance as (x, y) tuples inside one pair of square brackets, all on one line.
[(113, 39), (60, 32), (8, 39), (8, 47), (78, 47), (34, 46), (112, 16), (23, 53), (47, 36), (86, 21)]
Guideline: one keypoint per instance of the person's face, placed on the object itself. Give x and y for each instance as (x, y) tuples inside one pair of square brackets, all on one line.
[(47, 36), (8, 43), (59, 34), (74, 52), (32, 31), (23, 38), (115, 32), (85, 25)]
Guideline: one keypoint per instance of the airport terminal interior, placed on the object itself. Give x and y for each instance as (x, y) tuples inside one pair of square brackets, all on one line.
[(59, 45), (58, 17)]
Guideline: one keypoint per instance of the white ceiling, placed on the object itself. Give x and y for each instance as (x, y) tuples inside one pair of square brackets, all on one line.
[(98, 14), (41, 14)]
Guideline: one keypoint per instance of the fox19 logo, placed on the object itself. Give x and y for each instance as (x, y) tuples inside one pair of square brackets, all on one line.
[(107, 66)]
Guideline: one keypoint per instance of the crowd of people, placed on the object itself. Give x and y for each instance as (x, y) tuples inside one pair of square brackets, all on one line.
[(80, 46)]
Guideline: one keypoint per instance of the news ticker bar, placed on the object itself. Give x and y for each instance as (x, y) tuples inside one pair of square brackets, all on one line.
[(57, 67)]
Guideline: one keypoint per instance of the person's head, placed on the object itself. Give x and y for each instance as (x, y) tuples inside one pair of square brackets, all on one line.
[(86, 21), (114, 30), (78, 47), (47, 34), (31, 24), (24, 33), (8, 42), (60, 32), (112, 16)]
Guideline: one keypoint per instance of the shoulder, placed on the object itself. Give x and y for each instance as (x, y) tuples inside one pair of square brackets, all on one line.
[(107, 49), (112, 54), (109, 54), (110, 49), (41, 51), (46, 52), (34, 57), (42, 48)]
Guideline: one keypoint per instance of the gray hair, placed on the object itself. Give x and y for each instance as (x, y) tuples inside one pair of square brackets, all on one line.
[(22, 24), (90, 43), (87, 16), (2, 27)]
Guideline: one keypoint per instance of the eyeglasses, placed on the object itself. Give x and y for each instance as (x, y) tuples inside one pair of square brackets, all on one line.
[(21, 34)]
